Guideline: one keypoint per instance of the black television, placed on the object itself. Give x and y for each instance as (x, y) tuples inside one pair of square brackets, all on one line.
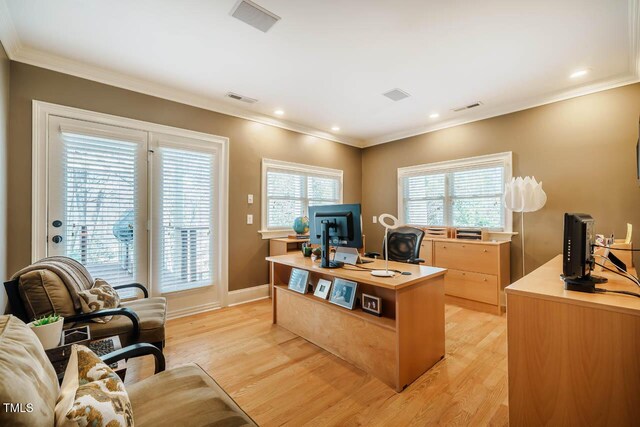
[(577, 253), (335, 225)]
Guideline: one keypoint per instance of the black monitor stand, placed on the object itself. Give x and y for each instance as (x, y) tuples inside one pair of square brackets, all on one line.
[(583, 284), (325, 261)]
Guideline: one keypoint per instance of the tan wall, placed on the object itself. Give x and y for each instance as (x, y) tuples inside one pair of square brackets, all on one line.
[(583, 150), (249, 143), (4, 131)]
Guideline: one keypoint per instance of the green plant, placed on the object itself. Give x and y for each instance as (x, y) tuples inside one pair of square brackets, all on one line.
[(46, 320)]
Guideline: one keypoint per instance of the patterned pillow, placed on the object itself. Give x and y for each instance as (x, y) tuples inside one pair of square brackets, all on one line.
[(92, 394), (100, 296)]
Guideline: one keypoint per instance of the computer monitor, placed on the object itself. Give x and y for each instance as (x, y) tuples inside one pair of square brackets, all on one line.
[(577, 254), (335, 225)]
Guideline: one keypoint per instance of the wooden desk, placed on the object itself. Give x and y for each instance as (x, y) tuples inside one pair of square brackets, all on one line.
[(285, 245), (574, 358), (396, 348)]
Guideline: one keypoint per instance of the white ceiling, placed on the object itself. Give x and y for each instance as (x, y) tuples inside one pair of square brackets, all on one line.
[(327, 62)]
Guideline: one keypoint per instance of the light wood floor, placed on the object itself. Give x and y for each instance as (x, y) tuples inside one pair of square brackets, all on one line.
[(281, 379)]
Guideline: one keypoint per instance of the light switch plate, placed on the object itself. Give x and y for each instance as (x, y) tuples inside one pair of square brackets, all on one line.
[(249, 219), (250, 199)]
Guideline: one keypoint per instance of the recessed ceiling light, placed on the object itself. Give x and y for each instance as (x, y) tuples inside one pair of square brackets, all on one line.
[(579, 73), (434, 115), (335, 128), (279, 113)]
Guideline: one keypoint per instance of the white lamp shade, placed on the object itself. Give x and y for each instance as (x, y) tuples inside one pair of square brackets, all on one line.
[(388, 221), (524, 195)]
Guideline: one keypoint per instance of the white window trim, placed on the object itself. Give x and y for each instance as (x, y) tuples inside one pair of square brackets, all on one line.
[(289, 166), (505, 158), (42, 111)]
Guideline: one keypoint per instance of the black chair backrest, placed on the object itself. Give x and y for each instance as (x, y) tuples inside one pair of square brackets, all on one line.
[(404, 244), (15, 306)]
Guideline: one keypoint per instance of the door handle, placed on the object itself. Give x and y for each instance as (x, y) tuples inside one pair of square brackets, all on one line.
[(56, 239)]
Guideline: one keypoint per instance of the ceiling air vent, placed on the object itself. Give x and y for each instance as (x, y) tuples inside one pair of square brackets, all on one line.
[(468, 107), (241, 98), (396, 94), (254, 15)]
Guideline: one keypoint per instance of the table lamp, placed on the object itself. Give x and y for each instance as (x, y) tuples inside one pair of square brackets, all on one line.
[(392, 225)]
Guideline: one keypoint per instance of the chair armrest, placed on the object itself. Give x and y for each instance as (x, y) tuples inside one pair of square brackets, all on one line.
[(416, 261), (136, 350), (121, 311), (371, 254), (144, 290)]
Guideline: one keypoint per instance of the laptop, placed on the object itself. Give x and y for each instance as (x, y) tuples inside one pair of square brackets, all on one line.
[(349, 256)]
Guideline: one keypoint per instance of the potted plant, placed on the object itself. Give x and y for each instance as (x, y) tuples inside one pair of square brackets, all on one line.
[(48, 329)]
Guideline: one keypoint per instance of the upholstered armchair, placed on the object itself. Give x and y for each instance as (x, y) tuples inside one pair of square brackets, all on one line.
[(39, 292), (181, 396)]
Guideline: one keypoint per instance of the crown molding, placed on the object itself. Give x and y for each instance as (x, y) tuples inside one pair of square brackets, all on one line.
[(634, 37), (487, 113), (17, 52)]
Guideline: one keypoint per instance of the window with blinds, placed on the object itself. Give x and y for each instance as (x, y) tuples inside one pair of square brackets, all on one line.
[(100, 205), (289, 189), (187, 215), (465, 193)]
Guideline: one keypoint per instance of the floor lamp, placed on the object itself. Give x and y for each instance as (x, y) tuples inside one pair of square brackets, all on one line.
[(524, 195)]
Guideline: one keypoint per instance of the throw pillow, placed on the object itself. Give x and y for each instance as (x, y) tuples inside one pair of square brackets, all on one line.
[(44, 293), (99, 297), (92, 394)]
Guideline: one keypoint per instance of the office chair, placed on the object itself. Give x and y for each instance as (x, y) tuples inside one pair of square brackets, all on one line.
[(404, 245)]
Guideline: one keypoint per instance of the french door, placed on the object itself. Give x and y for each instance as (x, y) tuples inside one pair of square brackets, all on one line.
[(136, 206), (97, 198)]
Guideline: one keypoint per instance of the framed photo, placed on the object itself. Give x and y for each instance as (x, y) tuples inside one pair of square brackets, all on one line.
[(343, 293), (322, 289), (372, 304), (298, 280)]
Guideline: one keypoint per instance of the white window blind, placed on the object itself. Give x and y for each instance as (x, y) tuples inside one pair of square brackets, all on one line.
[(465, 193), (289, 189), (100, 205), (187, 214)]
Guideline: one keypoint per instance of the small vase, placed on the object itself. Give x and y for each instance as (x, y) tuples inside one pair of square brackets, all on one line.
[(50, 334)]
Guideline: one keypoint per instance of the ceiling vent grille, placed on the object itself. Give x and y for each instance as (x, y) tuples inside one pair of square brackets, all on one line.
[(254, 15), (241, 98), (467, 107), (396, 94)]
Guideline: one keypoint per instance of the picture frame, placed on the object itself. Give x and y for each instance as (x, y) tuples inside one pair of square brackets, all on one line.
[(298, 280), (371, 304), (322, 288), (343, 293)]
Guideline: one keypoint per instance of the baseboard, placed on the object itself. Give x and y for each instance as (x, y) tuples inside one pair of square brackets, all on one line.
[(242, 296), (174, 314)]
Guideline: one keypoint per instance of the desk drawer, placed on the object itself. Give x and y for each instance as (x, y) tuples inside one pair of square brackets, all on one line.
[(473, 286), (426, 252), (468, 257)]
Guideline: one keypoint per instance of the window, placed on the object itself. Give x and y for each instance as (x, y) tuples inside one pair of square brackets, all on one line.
[(461, 193), (288, 189), (187, 218)]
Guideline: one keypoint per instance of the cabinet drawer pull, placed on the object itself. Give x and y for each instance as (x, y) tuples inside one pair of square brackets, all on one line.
[(485, 280), (485, 250)]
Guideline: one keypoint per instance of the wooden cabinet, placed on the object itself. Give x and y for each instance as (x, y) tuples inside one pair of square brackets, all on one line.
[(478, 270), (285, 245), (573, 356)]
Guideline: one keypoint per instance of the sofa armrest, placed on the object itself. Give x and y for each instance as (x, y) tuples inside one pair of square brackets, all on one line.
[(121, 311), (136, 350), (144, 290)]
